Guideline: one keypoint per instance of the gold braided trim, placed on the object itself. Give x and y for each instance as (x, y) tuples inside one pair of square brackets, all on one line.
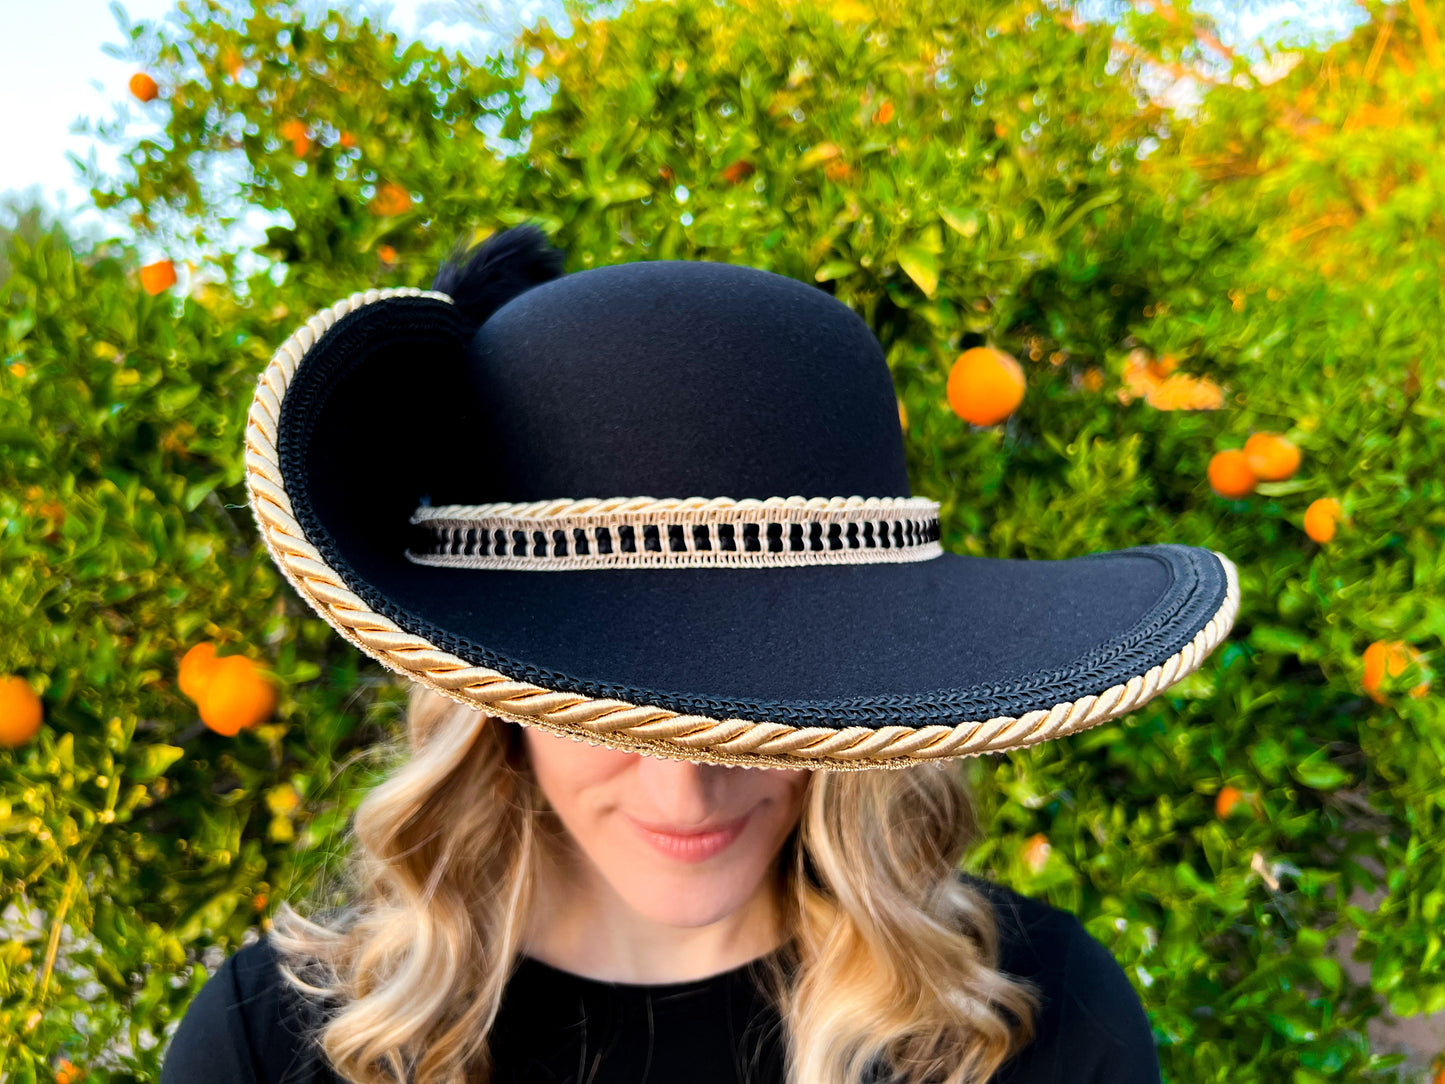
[(638, 727), (636, 532)]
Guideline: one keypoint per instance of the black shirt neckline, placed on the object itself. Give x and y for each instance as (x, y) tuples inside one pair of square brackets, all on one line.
[(554, 975)]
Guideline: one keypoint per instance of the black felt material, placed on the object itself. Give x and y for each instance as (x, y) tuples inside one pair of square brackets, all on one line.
[(677, 379), (247, 1026)]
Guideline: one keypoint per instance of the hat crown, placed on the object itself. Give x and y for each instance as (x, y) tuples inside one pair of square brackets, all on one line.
[(674, 378)]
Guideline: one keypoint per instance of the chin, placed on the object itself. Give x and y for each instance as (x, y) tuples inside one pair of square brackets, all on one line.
[(686, 897)]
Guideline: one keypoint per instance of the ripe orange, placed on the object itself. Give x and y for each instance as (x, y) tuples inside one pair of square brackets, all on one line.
[(1321, 518), (198, 665), (67, 1072), (1272, 458), (738, 170), (1155, 380), (1389, 659), (884, 113), (391, 199), (1229, 474), (20, 711), (158, 277), (295, 130), (347, 140), (985, 385), (144, 87), (51, 512), (1226, 800), (231, 62), (386, 254), (1181, 391), (238, 696), (1036, 851)]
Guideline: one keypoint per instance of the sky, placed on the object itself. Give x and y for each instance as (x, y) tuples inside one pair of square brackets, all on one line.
[(53, 70)]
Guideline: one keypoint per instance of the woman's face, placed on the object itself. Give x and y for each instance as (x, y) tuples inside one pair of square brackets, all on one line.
[(682, 844)]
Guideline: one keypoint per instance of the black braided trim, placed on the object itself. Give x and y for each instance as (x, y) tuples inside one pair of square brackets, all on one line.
[(453, 541)]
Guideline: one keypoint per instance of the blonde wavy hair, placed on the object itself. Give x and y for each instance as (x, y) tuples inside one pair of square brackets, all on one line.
[(891, 956)]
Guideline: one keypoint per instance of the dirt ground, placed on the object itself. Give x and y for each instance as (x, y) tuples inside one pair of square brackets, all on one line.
[(1419, 1038)]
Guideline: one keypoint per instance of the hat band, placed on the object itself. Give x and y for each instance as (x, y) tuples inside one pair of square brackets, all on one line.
[(645, 532)]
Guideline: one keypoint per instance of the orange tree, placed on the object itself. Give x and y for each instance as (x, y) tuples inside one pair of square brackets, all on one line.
[(973, 174), (1336, 154)]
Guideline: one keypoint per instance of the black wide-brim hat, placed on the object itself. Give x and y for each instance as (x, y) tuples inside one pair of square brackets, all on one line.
[(663, 506)]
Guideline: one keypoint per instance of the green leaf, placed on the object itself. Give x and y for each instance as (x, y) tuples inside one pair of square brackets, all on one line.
[(1432, 998), (154, 760), (209, 915), (17, 437), (65, 751), (302, 671), (1280, 641), (1102, 200), (817, 154), (622, 192), (172, 400), (1296, 1031), (1319, 773), (197, 492), (921, 266), (1285, 488), (834, 269), (1404, 1001), (959, 220), (1327, 971), (1197, 686), (1268, 756), (21, 323)]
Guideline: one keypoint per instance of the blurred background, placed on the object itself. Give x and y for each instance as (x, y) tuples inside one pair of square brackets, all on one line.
[(1143, 271)]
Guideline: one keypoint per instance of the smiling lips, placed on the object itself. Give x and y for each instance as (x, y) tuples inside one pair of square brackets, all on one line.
[(693, 846)]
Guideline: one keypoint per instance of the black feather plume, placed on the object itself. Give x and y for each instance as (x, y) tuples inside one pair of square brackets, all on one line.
[(482, 279)]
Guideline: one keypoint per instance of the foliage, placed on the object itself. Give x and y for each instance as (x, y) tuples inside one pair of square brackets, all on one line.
[(1337, 155), (979, 172)]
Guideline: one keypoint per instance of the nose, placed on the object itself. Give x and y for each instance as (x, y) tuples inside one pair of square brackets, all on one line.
[(678, 793)]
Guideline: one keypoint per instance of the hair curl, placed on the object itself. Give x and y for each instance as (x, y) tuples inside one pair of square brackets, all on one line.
[(892, 958)]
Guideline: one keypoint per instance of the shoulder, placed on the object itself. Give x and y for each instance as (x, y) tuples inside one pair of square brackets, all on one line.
[(247, 1025), (1092, 1025), (1034, 935), (1038, 939)]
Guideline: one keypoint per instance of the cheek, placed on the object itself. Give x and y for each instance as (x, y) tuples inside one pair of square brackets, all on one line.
[(570, 772), (789, 797), (788, 789)]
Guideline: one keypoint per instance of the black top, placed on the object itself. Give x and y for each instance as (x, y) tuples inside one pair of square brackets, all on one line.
[(246, 1025)]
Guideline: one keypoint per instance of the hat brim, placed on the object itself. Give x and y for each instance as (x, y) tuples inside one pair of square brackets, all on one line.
[(829, 666)]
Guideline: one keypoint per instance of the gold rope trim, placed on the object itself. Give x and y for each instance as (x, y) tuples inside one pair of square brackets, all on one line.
[(870, 530), (633, 727)]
